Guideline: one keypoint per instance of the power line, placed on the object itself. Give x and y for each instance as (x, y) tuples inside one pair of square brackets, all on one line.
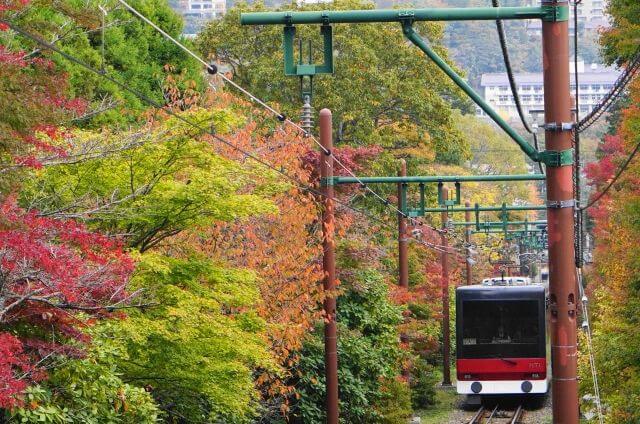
[(200, 128), (281, 117), (512, 80), (613, 181), (613, 96)]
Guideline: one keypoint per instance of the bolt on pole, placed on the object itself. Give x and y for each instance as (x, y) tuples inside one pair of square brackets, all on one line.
[(403, 264), (446, 337), (467, 239), (329, 268), (560, 203)]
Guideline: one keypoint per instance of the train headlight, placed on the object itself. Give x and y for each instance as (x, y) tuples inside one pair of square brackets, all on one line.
[(526, 386), (476, 387)]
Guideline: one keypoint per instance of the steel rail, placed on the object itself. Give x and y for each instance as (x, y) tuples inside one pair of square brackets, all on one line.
[(478, 416), (492, 415), (517, 415)]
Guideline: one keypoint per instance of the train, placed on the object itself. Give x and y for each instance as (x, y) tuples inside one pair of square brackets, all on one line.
[(501, 338)]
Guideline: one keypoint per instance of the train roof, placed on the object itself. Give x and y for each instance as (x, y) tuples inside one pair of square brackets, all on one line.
[(481, 291)]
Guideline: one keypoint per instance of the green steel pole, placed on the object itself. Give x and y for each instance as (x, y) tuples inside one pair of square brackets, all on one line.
[(397, 15), (437, 179), (415, 38)]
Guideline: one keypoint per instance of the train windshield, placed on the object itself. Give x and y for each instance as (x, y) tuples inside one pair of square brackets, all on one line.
[(508, 329)]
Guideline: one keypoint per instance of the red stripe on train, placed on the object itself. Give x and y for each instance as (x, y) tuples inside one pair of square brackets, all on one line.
[(502, 369)]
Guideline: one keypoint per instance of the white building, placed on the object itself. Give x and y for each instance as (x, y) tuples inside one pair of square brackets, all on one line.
[(203, 9), (595, 82), (591, 17), (305, 2)]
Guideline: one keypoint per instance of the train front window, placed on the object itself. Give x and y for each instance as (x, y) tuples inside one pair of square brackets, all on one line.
[(508, 329)]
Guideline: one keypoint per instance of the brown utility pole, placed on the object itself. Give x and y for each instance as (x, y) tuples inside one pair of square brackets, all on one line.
[(467, 239), (560, 205), (446, 337), (329, 268), (403, 263)]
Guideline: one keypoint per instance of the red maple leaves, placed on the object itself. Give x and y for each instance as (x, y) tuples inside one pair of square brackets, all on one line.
[(49, 268)]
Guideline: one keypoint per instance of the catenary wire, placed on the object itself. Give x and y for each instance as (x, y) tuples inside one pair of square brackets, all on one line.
[(203, 130), (286, 120), (614, 94), (579, 214), (624, 166), (281, 117), (512, 81), (592, 360)]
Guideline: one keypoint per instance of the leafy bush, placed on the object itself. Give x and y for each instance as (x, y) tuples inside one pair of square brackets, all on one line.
[(369, 358), (423, 385), (395, 403)]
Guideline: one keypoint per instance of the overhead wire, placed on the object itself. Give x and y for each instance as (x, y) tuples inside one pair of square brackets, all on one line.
[(202, 129), (589, 336), (512, 81), (613, 95), (281, 117), (579, 214), (621, 170)]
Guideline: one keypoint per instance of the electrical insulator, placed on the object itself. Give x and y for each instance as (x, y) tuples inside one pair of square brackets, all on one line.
[(307, 116)]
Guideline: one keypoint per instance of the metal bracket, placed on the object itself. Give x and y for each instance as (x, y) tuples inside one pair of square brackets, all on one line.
[(555, 158), (327, 182), (449, 202), (554, 12), (307, 69), (560, 204), (559, 126)]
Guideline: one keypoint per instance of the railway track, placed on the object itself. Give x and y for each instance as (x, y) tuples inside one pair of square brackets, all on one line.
[(496, 415)]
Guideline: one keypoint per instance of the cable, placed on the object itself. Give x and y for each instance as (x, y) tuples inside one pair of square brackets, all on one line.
[(281, 117), (578, 227), (592, 360), (618, 89), (512, 80), (613, 181), (153, 103), (201, 129)]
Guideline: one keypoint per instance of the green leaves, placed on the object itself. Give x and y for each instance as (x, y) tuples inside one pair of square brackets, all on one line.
[(198, 348), (384, 92), (368, 348), (150, 184)]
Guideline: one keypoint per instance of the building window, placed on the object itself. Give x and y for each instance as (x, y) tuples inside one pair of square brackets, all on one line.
[(537, 88), (595, 87), (526, 98), (525, 87), (504, 88), (538, 99), (195, 6), (584, 87), (607, 86)]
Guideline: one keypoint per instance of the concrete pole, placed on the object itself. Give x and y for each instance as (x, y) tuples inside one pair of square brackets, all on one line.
[(467, 239), (446, 337), (403, 262), (560, 204), (329, 267)]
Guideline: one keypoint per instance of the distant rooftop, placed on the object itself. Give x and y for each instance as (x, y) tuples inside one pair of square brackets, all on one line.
[(590, 74)]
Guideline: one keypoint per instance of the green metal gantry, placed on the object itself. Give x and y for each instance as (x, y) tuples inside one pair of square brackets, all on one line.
[(404, 183), (549, 12)]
